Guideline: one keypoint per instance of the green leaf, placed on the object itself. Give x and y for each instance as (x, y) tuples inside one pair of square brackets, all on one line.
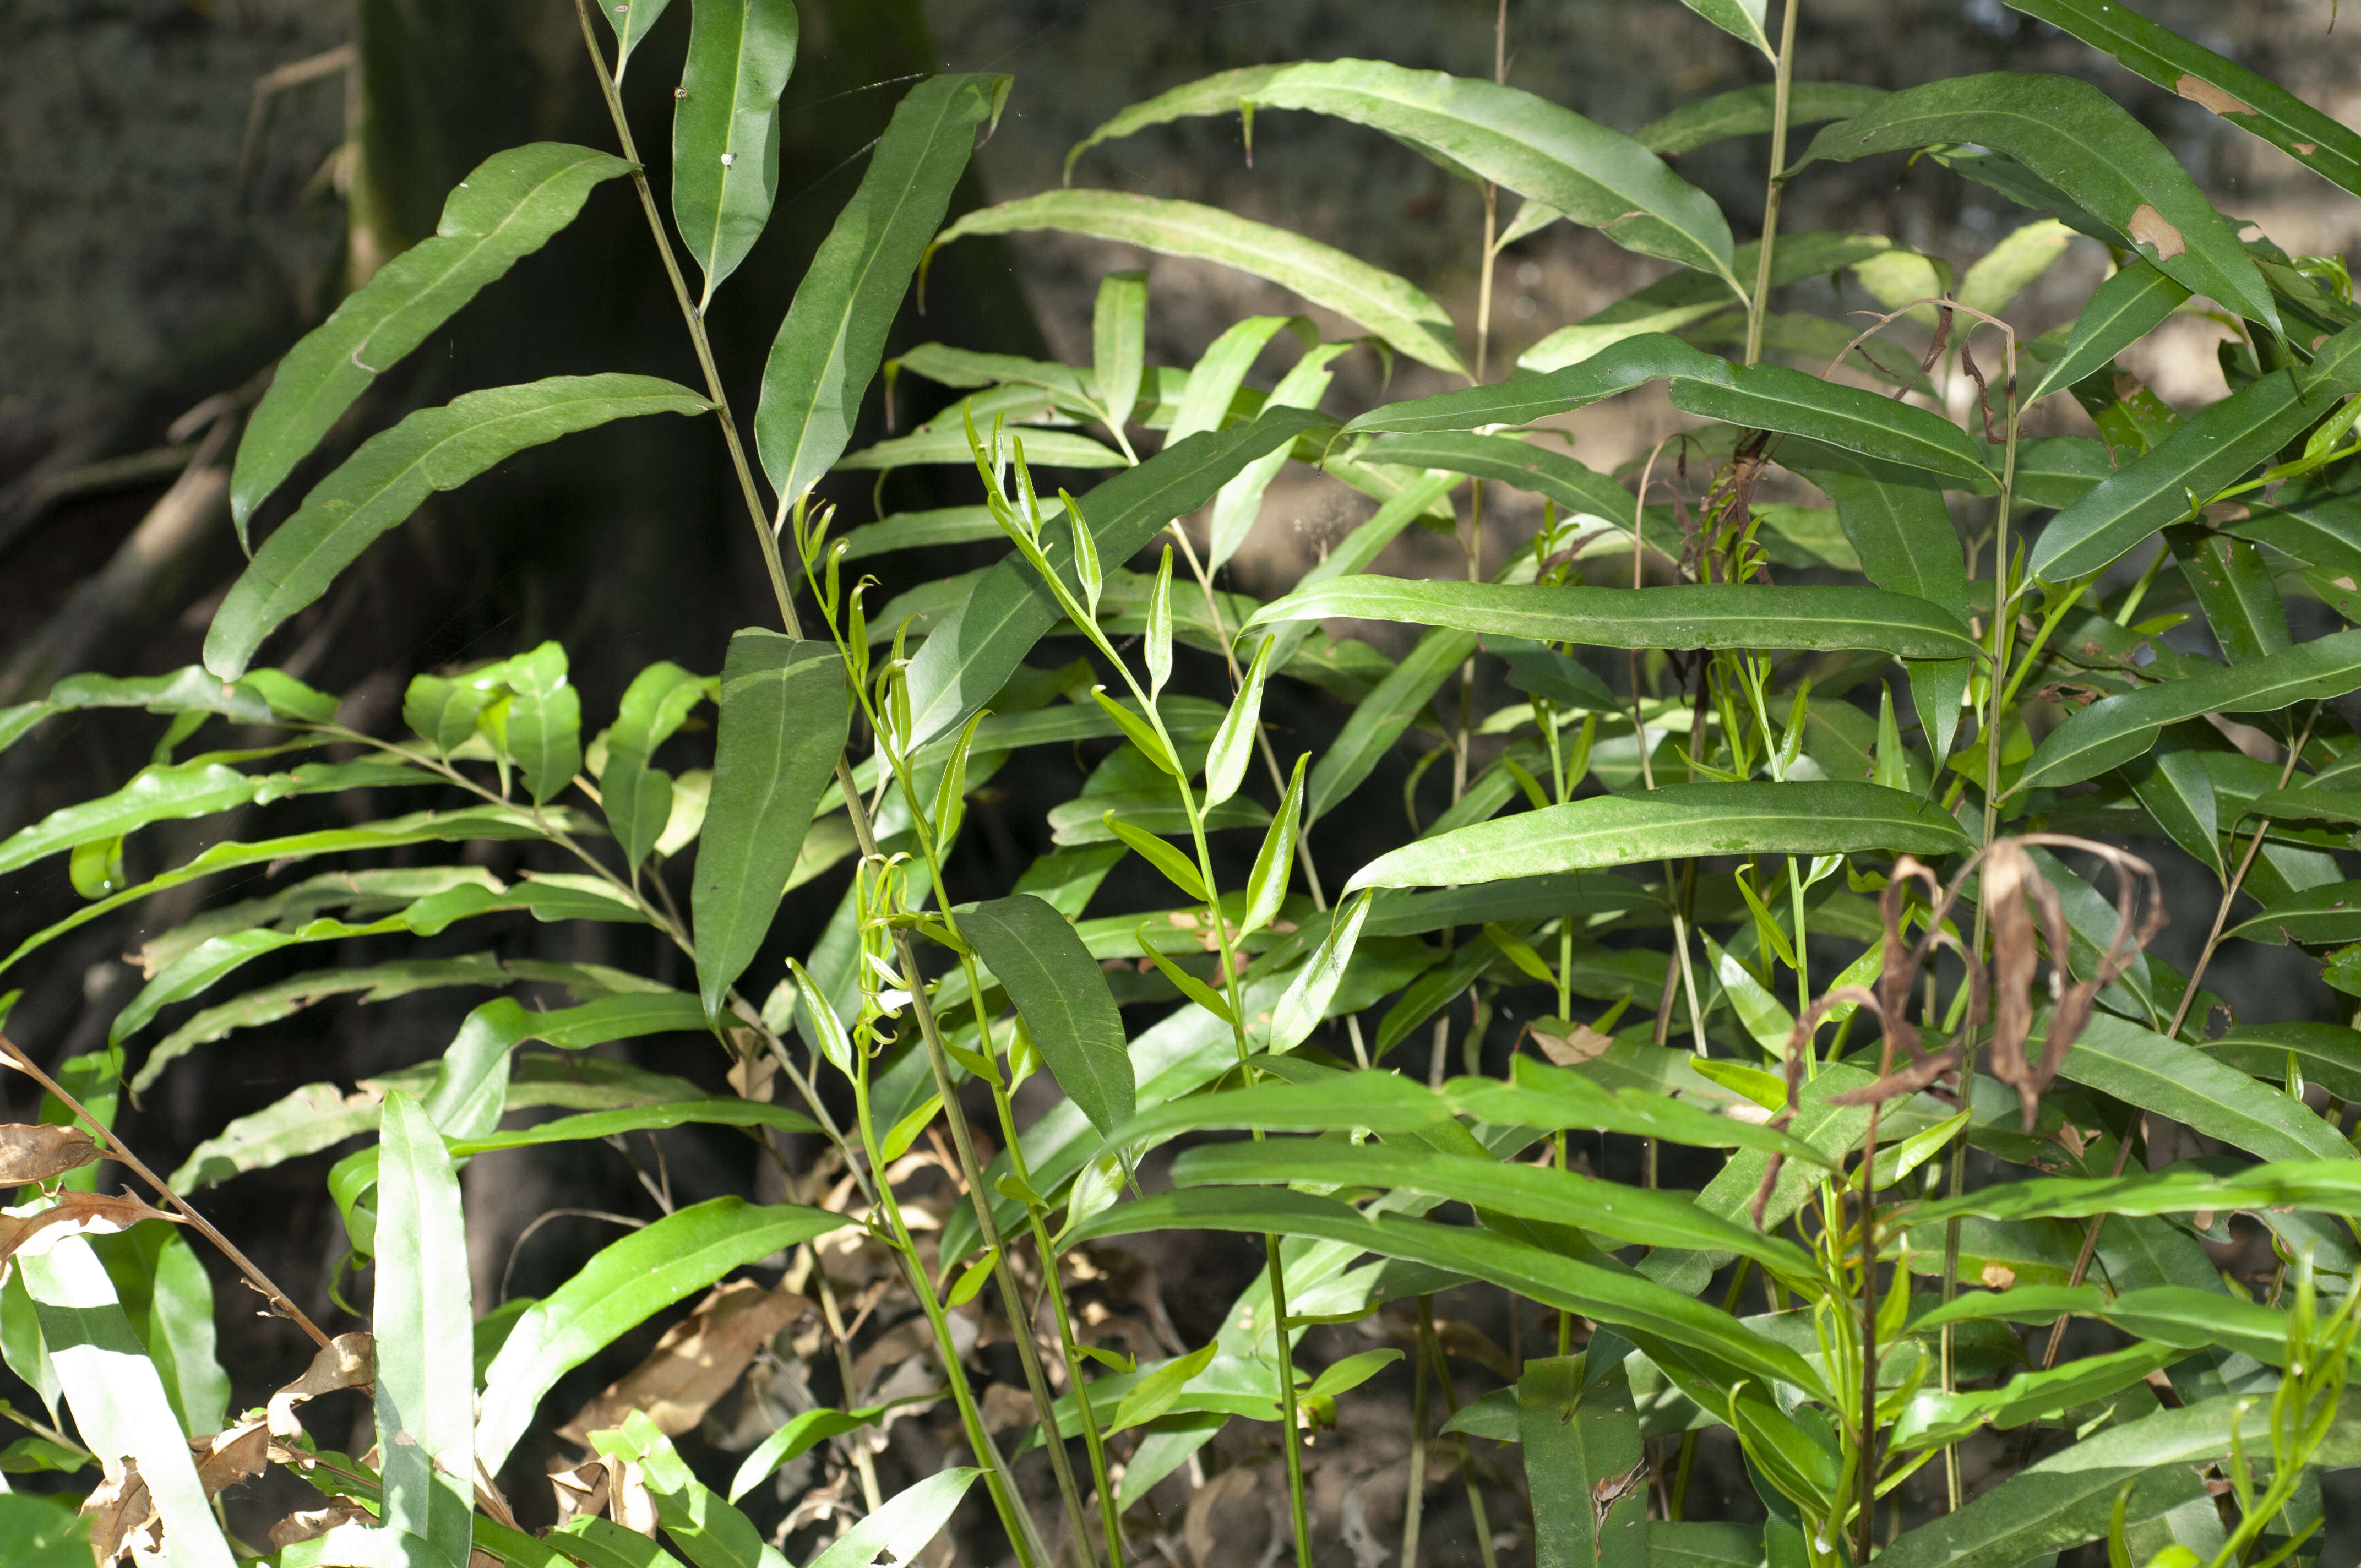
[(924, 531), (631, 19), (507, 207), (1583, 1464), (2117, 1057), (2314, 917), (600, 1542), (382, 483), (620, 1287), (1529, 466), (2327, 1054), (1627, 1214), (1233, 744), (799, 1436), (1119, 342), (169, 1298), (720, 1111), (1931, 1418), (263, 696), (544, 722), (974, 649), (1720, 615), (1307, 997), (1062, 994), (709, 1532), (827, 351), (2125, 308), (1381, 302), (1221, 370), (2251, 103), (1157, 1392), (2207, 454), (1742, 19), (725, 129), (1043, 449), (784, 716), (1380, 719), (1239, 502), (1675, 822), (636, 797), (902, 1527), (1747, 112), (426, 1397), (2114, 730), (2081, 141), (1627, 1300), (1275, 861), (120, 1406), (470, 1087), (2009, 268), (2171, 783)]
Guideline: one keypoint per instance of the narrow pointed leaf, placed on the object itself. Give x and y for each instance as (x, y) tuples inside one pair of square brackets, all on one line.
[(1581, 1445), (2235, 588), (2116, 729), (1232, 743), (2127, 308), (1119, 342), (1671, 823), (1380, 718), (784, 716), (903, 1527), (507, 207), (1701, 616), (1528, 465), (619, 1287), (1221, 370), (725, 128), (1747, 112), (1062, 994), (1383, 304), (2173, 1079), (426, 1397), (1904, 537), (1742, 19), (636, 797), (630, 19), (381, 484), (1634, 362), (975, 648), (1306, 1002), (827, 349), (1239, 502), (2079, 141)]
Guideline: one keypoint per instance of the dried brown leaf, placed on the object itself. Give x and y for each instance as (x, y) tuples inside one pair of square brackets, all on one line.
[(629, 1502), (73, 1215), (1577, 1046), (311, 1524), (43, 1153), (348, 1361), (581, 1490), (229, 1457), (121, 1515), (695, 1364)]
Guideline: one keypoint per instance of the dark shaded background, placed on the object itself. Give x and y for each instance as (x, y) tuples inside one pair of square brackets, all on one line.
[(170, 233)]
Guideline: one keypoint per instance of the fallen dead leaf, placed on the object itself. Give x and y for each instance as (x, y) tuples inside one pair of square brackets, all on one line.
[(73, 1215), (1580, 1044), (629, 1502), (2150, 228), (227, 1458), (313, 1523), (42, 1153), (698, 1361), (348, 1361), (2199, 91), (1006, 1408), (122, 1517), (581, 1490)]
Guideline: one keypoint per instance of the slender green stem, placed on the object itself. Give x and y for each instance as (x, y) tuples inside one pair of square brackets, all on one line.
[(1784, 71)]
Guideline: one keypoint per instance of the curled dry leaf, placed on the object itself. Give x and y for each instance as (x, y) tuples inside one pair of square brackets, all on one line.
[(42, 1153), (581, 1491), (121, 1515), (629, 1501), (348, 1361), (698, 1361), (72, 1215), (227, 1458), (311, 1524), (1577, 1046)]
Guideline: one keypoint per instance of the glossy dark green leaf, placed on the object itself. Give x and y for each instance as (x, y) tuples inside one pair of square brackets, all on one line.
[(2171, 783), (2330, 1186), (2327, 1054), (619, 1287), (1854, 419), (784, 716), (2313, 917), (975, 648), (1904, 535), (1600, 178), (2124, 309), (1623, 1300), (261, 696), (382, 483), (1747, 112), (426, 1397), (828, 348), (1697, 616), (2173, 1079), (1062, 995), (725, 129), (2235, 588), (1671, 823), (2252, 102), (2114, 730), (1742, 19), (507, 207), (632, 20), (543, 722), (1385, 305), (2079, 141), (1583, 1464)]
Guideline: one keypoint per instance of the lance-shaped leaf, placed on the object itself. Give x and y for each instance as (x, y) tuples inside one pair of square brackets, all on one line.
[(1597, 177), (2124, 309), (169, 1298), (620, 1287), (1380, 302), (1380, 718), (1584, 1465), (1239, 502), (425, 1396), (1221, 370), (720, 1111), (1527, 464), (380, 485), (1742, 19), (2252, 102), (1747, 112), (2200, 456), (1634, 362), (903, 1527), (1062, 995), (2174, 1079), (630, 19), (978, 645), (1715, 615), (1677, 822), (725, 129), (1904, 537), (2314, 917), (507, 207), (2235, 588), (1625, 1299), (2116, 729), (119, 1404), (2087, 146), (637, 798), (785, 716), (828, 348)]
